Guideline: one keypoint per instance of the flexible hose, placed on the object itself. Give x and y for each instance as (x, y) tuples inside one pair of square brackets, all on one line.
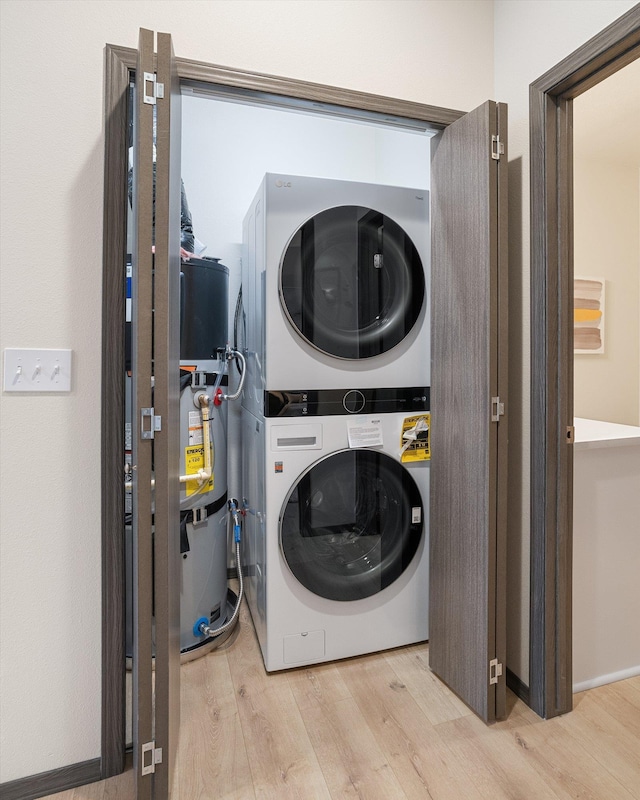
[(207, 630), (238, 355), (236, 319)]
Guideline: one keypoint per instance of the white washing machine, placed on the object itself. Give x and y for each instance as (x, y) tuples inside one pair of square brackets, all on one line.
[(335, 279), (335, 542)]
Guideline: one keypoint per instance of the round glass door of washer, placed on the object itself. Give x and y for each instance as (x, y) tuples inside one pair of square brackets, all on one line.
[(352, 282), (351, 524)]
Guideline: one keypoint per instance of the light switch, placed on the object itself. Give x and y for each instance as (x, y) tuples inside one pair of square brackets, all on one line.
[(31, 370)]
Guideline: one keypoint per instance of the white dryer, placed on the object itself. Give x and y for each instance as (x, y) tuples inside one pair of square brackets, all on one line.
[(335, 279), (335, 543)]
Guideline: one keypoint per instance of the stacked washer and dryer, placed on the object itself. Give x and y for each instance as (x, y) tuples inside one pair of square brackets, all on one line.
[(335, 418)]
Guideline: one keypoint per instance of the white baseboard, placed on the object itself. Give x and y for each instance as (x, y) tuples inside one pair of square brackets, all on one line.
[(601, 680)]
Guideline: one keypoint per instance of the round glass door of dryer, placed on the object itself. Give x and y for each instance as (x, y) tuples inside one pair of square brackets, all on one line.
[(352, 282), (351, 524)]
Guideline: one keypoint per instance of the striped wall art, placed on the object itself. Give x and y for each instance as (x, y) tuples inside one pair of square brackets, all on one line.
[(588, 315)]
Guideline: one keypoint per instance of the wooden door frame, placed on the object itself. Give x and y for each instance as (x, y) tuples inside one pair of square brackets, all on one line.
[(120, 64), (551, 153)]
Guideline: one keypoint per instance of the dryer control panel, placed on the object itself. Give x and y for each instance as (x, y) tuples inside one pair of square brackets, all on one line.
[(329, 402)]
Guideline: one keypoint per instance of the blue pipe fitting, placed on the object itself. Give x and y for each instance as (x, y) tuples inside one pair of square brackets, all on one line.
[(198, 625)]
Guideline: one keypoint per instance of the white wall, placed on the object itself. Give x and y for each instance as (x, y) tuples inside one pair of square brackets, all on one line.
[(531, 37), (438, 52), (606, 241), (227, 147)]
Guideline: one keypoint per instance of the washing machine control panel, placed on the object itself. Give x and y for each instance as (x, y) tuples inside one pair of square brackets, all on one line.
[(329, 402), (354, 401)]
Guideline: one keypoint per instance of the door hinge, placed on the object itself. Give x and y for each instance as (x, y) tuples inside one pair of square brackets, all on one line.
[(497, 409), (497, 148), (152, 90), (571, 434), (495, 671), (151, 755), (154, 425)]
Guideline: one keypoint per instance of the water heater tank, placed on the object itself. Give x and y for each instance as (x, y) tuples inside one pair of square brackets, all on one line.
[(204, 292)]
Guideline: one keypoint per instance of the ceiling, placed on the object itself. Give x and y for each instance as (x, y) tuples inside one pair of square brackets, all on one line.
[(606, 118)]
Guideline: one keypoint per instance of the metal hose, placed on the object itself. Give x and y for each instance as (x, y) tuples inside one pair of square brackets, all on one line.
[(207, 630)]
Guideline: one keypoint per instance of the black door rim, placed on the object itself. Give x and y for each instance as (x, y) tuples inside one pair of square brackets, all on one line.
[(363, 566), (405, 290)]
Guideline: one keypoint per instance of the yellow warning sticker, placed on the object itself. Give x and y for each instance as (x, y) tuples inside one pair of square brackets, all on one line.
[(415, 439), (194, 461)]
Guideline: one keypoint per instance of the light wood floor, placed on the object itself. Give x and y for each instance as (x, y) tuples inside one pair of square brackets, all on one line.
[(383, 727)]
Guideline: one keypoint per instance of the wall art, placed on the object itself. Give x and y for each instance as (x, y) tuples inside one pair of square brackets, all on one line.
[(588, 315)]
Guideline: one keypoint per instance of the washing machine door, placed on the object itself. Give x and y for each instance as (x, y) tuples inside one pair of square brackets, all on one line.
[(352, 282), (351, 524)]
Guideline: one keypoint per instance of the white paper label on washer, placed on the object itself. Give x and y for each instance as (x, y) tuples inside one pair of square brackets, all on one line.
[(365, 432), (416, 515)]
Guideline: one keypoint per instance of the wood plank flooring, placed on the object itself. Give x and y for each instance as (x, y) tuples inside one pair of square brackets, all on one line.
[(382, 727)]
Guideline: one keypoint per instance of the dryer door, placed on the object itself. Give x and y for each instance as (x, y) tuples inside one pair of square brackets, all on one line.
[(352, 282), (351, 524)]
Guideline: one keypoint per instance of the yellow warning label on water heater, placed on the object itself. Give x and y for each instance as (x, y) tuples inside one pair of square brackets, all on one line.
[(194, 461), (415, 439)]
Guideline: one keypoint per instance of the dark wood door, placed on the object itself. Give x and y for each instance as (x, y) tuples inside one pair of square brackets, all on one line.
[(467, 628), (167, 400), (155, 373), (142, 402)]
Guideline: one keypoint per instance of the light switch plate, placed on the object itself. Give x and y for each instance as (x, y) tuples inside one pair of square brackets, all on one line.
[(37, 370)]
